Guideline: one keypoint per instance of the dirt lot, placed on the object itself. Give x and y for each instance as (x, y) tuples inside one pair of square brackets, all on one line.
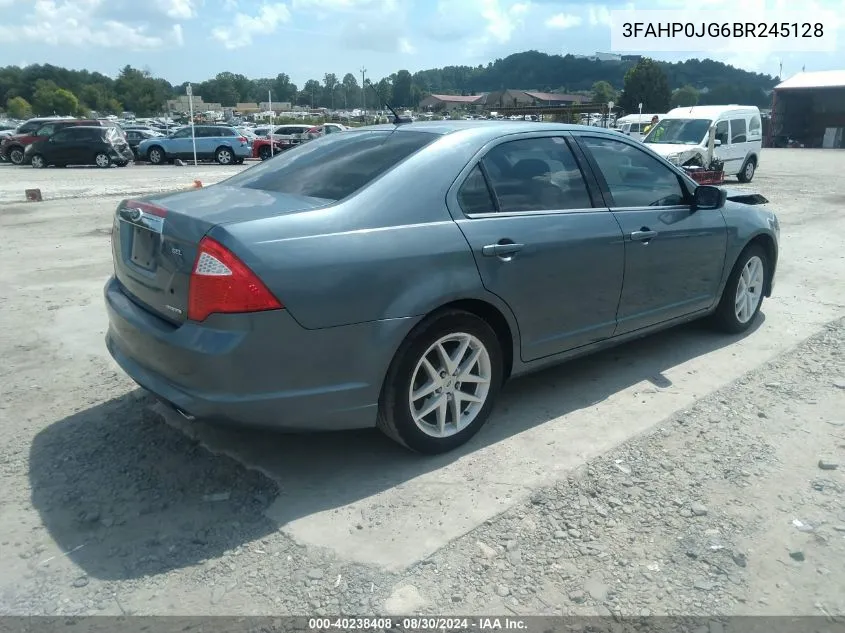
[(687, 473)]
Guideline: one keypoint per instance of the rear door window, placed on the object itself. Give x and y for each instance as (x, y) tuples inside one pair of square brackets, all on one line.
[(336, 166), (536, 174), (738, 131)]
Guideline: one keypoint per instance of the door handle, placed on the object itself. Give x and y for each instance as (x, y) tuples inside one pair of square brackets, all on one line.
[(502, 249), (643, 235)]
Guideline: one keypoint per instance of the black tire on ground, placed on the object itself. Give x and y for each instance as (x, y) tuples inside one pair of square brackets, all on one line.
[(395, 418), (725, 318), (155, 155), (264, 152), (748, 170), (224, 156), (38, 162), (15, 155), (102, 160)]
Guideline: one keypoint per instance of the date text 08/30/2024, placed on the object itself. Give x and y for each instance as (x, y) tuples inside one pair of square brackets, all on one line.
[(417, 624)]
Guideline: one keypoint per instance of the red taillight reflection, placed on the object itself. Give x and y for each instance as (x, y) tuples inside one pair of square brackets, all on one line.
[(146, 207)]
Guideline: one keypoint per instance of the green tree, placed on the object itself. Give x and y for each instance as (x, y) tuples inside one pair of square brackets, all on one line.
[(602, 92), (685, 97), (310, 95), (646, 83), (18, 108), (351, 91), (65, 102), (402, 85), (330, 84)]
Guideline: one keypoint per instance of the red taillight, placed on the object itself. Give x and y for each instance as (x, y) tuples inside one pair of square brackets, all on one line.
[(222, 283)]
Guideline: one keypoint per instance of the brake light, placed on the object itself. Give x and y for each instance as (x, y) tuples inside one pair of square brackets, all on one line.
[(222, 283)]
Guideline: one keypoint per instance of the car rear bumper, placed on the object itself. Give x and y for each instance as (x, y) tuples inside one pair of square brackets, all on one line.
[(260, 369)]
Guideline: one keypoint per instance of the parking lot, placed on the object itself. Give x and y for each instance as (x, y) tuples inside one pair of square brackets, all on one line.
[(112, 505)]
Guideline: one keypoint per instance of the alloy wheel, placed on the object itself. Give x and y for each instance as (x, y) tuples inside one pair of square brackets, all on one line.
[(224, 157), (749, 289), (16, 156), (102, 160), (450, 385)]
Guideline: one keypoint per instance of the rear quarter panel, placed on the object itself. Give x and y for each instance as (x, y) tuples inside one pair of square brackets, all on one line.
[(391, 251)]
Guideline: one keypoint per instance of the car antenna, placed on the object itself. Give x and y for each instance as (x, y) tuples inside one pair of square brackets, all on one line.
[(397, 120)]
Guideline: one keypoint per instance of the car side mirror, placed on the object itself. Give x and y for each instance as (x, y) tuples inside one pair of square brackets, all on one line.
[(709, 197)]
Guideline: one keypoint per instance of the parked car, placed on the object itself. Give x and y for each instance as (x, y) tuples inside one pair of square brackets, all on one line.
[(135, 136), (102, 146), (322, 130), (261, 147), (682, 136), (13, 147), (333, 288), (213, 142)]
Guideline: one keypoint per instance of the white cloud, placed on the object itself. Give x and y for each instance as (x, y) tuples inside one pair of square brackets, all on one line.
[(598, 15), (178, 35), (69, 23), (406, 47), (343, 5), (269, 17), (563, 21), (178, 9)]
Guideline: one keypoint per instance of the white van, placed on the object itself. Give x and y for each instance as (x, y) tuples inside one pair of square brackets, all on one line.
[(634, 124), (683, 134)]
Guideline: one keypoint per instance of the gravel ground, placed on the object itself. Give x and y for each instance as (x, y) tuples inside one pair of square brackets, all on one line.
[(732, 507)]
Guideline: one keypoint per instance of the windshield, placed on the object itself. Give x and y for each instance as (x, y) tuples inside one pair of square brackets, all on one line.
[(678, 132), (334, 166)]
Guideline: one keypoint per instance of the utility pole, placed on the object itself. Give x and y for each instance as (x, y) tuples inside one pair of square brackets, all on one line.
[(363, 92)]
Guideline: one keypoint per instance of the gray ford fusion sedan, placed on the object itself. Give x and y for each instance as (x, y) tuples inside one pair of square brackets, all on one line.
[(395, 276)]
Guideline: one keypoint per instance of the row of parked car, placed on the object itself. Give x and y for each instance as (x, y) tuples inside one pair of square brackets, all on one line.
[(41, 142)]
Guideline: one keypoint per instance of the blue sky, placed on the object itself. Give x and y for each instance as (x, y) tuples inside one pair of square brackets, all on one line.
[(195, 39)]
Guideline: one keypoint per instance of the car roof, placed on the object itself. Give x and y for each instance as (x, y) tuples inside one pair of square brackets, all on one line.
[(709, 112), (485, 130)]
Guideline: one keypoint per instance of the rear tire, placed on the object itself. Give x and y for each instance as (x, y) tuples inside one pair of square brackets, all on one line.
[(264, 152), (420, 379), (747, 281), (15, 155), (102, 160), (155, 155), (748, 170), (38, 162), (224, 156)]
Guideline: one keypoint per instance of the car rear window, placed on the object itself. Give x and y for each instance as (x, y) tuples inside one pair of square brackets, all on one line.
[(335, 166)]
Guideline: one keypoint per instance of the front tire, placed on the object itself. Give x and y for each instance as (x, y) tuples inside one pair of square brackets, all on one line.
[(264, 152), (442, 383), (743, 294)]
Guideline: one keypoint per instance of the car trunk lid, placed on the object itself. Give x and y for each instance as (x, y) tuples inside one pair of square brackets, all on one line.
[(155, 239)]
